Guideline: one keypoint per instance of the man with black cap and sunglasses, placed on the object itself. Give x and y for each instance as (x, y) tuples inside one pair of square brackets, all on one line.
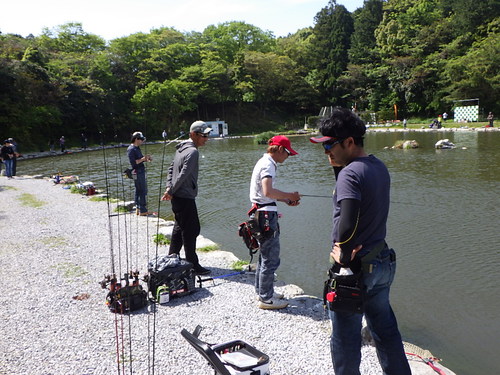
[(137, 160), (182, 189), (360, 211)]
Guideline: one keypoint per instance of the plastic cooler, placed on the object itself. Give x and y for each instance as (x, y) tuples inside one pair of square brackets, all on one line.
[(231, 358)]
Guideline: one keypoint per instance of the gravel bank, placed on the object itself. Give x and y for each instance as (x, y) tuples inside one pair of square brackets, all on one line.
[(61, 250)]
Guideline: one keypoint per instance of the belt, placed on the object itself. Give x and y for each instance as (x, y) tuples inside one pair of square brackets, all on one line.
[(365, 261), (256, 206), (259, 205)]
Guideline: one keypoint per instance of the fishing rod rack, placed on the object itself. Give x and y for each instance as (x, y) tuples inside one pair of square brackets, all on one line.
[(125, 295)]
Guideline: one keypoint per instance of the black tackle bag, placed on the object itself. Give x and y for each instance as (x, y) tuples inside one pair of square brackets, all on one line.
[(171, 271)]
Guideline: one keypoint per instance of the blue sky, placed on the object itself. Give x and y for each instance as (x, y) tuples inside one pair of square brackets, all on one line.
[(115, 18)]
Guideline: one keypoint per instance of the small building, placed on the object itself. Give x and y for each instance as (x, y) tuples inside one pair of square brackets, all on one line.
[(219, 128)]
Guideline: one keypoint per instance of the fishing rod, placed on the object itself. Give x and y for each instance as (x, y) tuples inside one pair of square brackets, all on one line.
[(152, 325), (173, 140), (316, 196)]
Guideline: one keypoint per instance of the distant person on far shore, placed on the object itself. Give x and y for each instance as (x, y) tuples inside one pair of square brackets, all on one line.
[(404, 123), (83, 139), (445, 117), (7, 154), (15, 147), (62, 144), (490, 119), (164, 135)]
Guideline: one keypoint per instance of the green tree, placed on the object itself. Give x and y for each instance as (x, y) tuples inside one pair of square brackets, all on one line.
[(71, 37), (469, 15), (363, 42), (333, 29), (476, 73), (162, 104), (230, 38)]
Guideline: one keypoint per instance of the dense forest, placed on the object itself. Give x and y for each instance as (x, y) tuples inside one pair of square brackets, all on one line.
[(419, 56)]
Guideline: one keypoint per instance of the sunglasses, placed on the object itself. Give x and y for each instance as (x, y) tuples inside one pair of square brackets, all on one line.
[(288, 152), (328, 145), (203, 135)]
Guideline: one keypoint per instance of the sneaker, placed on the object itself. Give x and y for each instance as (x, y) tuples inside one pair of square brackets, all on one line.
[(202, 271), (147, 213), (276, 295), (272, 304)]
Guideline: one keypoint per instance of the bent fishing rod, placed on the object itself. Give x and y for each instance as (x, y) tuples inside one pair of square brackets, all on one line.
[(173, 140)]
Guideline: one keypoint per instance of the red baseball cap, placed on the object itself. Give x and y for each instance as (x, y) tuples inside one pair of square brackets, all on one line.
[(281, 140)]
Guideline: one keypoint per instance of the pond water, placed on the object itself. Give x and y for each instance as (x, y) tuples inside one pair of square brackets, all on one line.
[(443, 225)]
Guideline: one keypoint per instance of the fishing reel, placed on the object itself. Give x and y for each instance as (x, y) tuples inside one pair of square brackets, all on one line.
[(108, 280), (111, 282)]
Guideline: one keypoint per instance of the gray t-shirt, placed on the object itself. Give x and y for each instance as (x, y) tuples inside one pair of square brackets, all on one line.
[(365, 179)]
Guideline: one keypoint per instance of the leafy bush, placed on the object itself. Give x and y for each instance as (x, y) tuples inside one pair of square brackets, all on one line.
[(206, 249), (75, 189), (239, 265), (161, 239), (262, 138)]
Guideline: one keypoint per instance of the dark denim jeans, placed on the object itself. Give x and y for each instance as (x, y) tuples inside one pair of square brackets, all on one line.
[(269, 258), (345, 343), (141, 190)]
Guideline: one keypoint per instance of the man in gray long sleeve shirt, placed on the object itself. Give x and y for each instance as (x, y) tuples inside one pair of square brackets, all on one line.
[(182, 189)]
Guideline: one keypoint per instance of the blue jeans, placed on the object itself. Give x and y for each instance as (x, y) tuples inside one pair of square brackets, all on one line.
[(269, 257), (345, 342), (8, 167), (141, 190)]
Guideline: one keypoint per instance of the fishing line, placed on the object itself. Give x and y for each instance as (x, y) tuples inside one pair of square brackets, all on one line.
[(118, 224), (151, 360), (108, 204), (162, 168), (127, 250), (330, 197), (112, 256)]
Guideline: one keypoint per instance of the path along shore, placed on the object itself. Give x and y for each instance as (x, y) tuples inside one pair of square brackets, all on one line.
[(55, 250)]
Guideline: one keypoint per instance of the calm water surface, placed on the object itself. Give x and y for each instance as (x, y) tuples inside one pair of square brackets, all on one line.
[(443, 225)]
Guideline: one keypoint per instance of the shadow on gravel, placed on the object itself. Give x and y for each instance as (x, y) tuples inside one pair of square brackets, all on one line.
[(304, 305)]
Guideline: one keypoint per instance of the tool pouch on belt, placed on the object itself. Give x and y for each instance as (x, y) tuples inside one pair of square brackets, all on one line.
[(128, 173), (343, 292)]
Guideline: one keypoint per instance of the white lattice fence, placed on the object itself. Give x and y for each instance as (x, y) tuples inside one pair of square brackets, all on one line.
[(466, 113)]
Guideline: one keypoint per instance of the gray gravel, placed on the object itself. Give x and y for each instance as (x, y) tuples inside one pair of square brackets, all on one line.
[(61, 250)]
